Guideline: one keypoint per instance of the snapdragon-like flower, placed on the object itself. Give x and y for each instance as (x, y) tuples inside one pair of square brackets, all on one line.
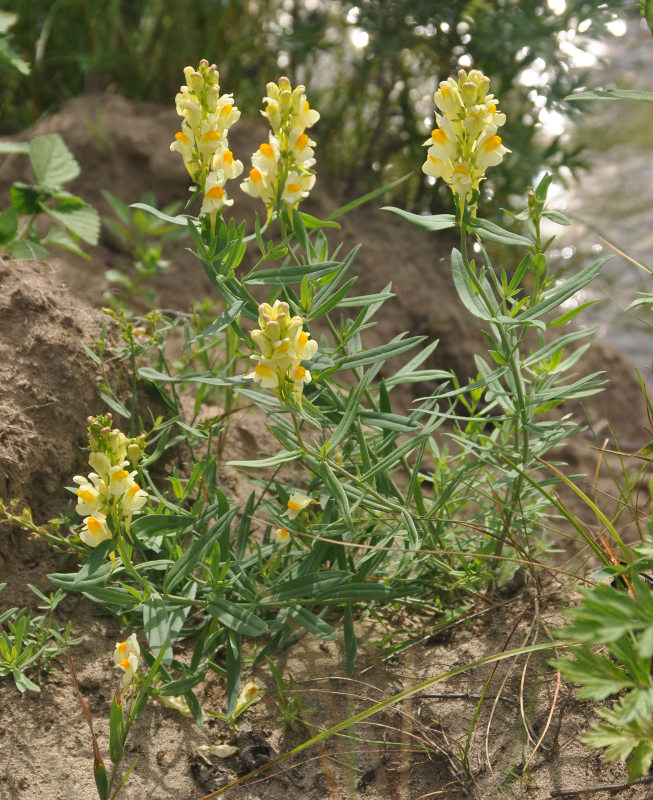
[(250, 693), (282, 167), (466, 142), (283, 345), (281, 536), (297, 502), (125, 656), (177, 702), (108, 497), (202, 141)]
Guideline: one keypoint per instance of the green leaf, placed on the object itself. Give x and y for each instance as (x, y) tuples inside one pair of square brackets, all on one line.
[(52, 161), (337, 492), (59, 238), (434, 222), (157, 628), (196, 552), (26, 251), (24, 198), (314, 222), (611, 94), (393, 348), (101, 782), (284, 276), (494, 233), (153, 524), (272, 461), (116, 731), (108, 595), (640, 760), (182, 219), (114, 404), (83, 221), (313, 624), (353, 406), (561, 320), (556, 216), (93, 573), (598, 676), (11, 56), (8, 225), (236, 618), (223, 321), (23, 683), (193, 377), (180, 686), (310, 585)]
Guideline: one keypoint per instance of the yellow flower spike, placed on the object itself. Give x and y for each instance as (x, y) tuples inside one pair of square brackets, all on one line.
[(283, 344), (283, 165), (207, 117), (465, 143)]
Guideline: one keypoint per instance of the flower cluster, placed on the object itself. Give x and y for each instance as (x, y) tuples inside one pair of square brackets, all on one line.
[(466, 143), (202, 140), (125, 656), (110, 491), (284, 344), (281, 168)]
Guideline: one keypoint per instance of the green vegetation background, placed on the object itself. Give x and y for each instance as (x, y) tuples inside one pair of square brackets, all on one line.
[(375, 101)]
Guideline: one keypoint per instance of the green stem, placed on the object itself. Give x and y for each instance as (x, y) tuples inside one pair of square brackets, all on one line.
[(521, 416)]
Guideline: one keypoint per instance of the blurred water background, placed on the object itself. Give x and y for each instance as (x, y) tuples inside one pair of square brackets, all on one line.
[(613, 200)]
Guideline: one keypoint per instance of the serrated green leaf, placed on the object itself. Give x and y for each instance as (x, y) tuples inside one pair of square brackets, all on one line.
[(59, 238), (640, 760), (83, 221), (598, 676), (52, 161), (22, 250)]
